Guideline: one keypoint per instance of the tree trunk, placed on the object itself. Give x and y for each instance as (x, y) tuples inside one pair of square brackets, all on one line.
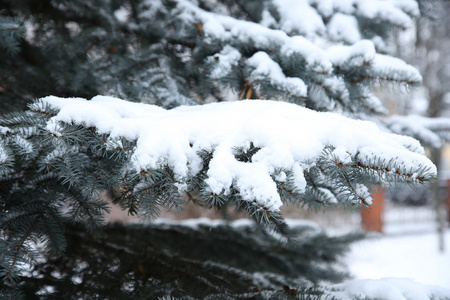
[(438, 201)]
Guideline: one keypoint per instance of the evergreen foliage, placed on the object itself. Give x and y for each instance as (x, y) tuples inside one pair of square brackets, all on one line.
[(172, 53), (167, 51), (201, 262)]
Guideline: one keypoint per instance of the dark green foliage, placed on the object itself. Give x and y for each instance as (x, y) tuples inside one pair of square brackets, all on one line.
[(203, 262), (147, 51), (53, 183), (52, 178), (11, 31)]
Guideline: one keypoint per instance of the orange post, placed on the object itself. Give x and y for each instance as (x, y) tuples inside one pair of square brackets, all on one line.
[(372, 218)]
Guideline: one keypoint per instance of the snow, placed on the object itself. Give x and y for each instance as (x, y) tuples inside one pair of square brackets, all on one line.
[(390, 67), (196, 222), (428, 130), (314, 56), (228, 29), (265, 67), (351, 57), (372, 9), (4, 130), (148, 9), (388, 289), (401, 266), (298, 16), (329, 196), (344, 27), (26, 146), (290, 138), (363, 192), (396, 12), (267, 20), (363, 53), (312, 47), (341, 155), (224, 62), (3, 155), (414, 256)]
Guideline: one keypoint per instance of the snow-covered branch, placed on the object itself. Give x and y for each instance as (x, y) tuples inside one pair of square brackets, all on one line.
[(431, 132), (288, 140)]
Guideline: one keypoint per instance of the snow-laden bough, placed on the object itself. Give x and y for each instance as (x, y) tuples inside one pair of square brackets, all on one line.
[(286, 138)]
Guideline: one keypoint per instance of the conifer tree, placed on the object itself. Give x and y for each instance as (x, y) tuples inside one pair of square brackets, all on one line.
[(430, 125), (312, 65)]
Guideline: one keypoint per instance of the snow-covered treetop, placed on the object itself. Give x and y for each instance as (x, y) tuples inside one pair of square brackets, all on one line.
[(338, 20), (287, 143), (319, 54), (59, 158), (323, 55)]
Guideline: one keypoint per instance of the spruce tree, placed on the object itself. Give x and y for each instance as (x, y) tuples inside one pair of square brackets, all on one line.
[(190, 73)]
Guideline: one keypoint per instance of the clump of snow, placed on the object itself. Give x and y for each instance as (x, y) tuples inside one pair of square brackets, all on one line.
[(299, 16), (267, 20), (290, 137), (344, 27), (411, 7), (148, 9), (224, 61), (390, 67), (341, 155), (4, 130), (316, 58), (3, 155), (329, 195), (394, 12), (363, 193), (372, 9), (263, 67), (350, 57), (310, 23)]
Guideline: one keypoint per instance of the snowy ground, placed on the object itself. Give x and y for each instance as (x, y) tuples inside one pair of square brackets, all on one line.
[(404, 263), (411, 254), (406, 250)]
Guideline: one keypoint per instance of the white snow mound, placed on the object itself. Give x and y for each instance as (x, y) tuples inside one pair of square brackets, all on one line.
[(290, 137)]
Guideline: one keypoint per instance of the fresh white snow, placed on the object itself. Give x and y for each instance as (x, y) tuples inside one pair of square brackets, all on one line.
[(428, 130), (342, 27), (264, 67), (290, 138), (224, 61), (388, 289), (410, 255), (298, 16)]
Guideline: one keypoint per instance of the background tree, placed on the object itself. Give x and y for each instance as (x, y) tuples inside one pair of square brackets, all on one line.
[(424, 114), (59, 157)]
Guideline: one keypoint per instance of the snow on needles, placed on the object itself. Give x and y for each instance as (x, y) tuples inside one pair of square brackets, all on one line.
[(430, 131), (290, 137), (264, 67), (299, 17)]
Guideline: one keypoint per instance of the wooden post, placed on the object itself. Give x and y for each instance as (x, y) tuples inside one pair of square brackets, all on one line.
[(372, 218)]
